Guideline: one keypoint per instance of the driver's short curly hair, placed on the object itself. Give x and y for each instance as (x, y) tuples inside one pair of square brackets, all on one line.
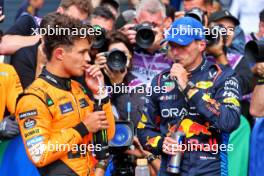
[(83, 5), (61, 23)]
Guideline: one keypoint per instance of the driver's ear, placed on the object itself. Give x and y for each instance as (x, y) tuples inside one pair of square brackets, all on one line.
[(58, 53), (202, 45)]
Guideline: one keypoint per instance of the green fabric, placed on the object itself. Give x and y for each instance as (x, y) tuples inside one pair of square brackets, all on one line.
[(3, 145), (238, 158)]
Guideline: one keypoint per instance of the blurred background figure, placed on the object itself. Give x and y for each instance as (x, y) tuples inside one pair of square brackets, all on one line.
[(30, 6), (247, 13), (112, 5), (260, 33)]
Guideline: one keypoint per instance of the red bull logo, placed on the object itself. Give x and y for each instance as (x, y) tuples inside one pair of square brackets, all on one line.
[(171, 129), (153, 142), (191, 128)]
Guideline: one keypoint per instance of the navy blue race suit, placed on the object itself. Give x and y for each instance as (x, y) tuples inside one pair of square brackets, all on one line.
[(208, 118)]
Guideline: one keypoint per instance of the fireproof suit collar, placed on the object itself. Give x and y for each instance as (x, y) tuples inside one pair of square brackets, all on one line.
[(59, 82)]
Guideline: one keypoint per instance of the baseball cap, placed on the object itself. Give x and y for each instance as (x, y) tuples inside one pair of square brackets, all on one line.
[(223, 14), (184, 30)]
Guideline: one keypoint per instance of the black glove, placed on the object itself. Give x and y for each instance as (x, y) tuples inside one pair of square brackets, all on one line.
[(9, 127)]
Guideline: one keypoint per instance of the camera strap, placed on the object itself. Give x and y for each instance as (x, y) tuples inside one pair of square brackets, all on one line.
[(253, 36)]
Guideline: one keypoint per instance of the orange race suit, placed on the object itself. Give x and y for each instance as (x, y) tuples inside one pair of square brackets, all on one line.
[(49, 114), (10, 88)]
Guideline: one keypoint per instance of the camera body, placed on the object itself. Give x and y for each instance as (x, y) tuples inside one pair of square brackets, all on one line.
[(123, 164), (145, 35), (100, 40), (196, 13), (254, 50), (116, 60), (216, 32)]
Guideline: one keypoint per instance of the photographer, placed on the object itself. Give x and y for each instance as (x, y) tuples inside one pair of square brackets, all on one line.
[(206, 108), (205, 7), (120, 76), (148, 61), (222, 52), (224, 55), (103, 18), (257, 68)]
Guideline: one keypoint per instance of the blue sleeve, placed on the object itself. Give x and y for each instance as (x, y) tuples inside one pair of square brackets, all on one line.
[(148, 126), (222, 110)]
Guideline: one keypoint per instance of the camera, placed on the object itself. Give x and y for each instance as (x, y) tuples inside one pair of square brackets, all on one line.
[(255, 50), (116, 60), (196, 13), (123, 135), (145, 35), (123, 164), (215, 34), (101, 39)]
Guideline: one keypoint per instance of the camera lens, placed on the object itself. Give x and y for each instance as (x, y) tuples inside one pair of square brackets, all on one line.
[(197, 14), (215, 34), (145, 36), (212, 39), (123, 136), (116, 60), (254, 50)]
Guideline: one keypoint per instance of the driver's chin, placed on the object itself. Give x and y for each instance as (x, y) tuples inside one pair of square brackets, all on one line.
[(78, 73)]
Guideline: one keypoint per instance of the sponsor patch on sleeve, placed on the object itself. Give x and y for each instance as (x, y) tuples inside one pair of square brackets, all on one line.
[(32, 132), (66, 108), (232, 100), (27, 114), (34, 140), (204, 84), (29, 123), (83, 103)]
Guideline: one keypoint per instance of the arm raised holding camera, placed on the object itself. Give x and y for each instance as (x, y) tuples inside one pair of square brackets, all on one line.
[(217, 50), (257, 101), (116, 77)]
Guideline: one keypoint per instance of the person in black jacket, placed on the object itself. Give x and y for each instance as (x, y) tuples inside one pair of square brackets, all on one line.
[(224, 54)]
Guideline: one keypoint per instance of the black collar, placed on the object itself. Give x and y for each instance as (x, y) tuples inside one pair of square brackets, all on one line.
[(61, 83), (201, 67)]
